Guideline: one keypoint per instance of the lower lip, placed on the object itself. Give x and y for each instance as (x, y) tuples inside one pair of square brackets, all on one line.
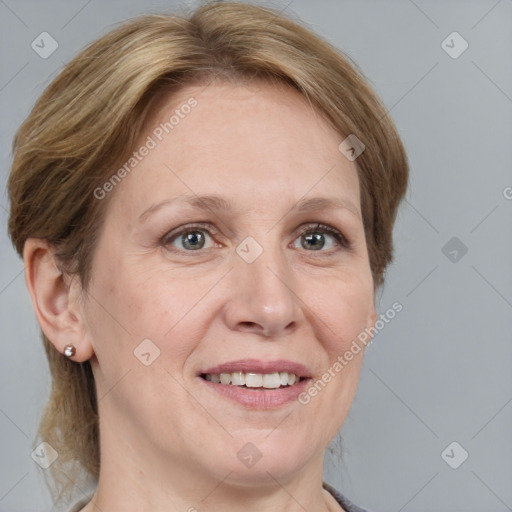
[(259, 398)]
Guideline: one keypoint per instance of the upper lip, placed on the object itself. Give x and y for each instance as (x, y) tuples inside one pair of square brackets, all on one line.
[(258, 366)]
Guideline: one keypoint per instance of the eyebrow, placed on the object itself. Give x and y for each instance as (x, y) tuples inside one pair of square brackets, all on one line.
[(217, 204)]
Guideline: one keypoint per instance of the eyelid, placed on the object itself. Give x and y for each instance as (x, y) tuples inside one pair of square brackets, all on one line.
[(313, 227), (200, 226)]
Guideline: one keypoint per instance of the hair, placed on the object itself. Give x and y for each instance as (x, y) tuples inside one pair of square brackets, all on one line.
[(89, 118)]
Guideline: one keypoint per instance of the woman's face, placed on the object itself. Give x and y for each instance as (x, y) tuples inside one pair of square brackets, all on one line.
[(184, 288)]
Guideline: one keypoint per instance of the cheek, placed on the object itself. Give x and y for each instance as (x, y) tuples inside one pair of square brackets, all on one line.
[(130, 300), (344, 308), (136, 303)]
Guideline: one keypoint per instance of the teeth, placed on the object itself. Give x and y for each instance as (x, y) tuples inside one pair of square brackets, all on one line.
[(254, 380), (225, 378), (271, 380), (238, 379)]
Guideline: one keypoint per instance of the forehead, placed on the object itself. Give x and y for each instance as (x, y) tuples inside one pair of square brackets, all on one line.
[(259, 144)]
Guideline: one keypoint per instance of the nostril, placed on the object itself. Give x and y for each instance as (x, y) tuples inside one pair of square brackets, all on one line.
[(249, 325), (291, 325)]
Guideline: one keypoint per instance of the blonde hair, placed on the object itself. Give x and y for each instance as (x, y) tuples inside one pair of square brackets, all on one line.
[(87, 121)]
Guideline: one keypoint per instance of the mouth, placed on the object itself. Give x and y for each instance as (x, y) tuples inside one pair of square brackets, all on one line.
[(254, 381), (257, 384)]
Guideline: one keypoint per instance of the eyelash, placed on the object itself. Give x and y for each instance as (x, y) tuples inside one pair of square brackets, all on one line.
[(342, 241), (328, 230)]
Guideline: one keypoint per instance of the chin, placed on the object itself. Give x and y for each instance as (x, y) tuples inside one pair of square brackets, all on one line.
[(258, 458)]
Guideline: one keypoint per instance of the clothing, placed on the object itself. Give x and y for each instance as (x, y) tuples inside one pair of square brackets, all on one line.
[(344, 502)]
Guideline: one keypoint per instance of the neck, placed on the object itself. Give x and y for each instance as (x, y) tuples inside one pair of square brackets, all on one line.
[(133, 479)]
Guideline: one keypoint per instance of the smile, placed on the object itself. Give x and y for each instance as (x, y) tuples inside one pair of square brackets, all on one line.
[(249, 380), (257, 384)]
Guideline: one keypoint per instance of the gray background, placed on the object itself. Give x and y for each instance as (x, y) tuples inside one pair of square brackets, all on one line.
[(440, 371)]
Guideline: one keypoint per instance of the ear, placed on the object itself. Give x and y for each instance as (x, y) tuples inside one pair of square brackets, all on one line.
[(372, 317), (56, 299), (370, 322)]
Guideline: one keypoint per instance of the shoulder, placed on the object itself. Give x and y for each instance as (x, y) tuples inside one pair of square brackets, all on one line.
[(344, 502)]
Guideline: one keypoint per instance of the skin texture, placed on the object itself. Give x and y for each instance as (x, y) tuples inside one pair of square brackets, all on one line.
[(169, 442)]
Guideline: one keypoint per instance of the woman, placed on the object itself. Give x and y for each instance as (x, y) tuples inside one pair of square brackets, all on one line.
[(204, 207)]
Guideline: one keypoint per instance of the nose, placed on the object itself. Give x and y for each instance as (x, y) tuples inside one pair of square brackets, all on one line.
[(262, 299)]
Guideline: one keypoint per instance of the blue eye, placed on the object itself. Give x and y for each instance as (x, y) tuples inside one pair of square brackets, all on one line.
[(191, 238), (321, 237), (316, 237), (313, 241)]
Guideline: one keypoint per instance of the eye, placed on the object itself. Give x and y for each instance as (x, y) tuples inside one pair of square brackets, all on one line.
[(313, 237), (321, 237), (189, 238)]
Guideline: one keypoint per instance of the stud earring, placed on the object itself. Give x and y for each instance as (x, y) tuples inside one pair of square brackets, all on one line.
[(69, 350)]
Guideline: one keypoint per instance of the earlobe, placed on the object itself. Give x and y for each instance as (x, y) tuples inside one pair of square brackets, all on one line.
[(55, 300), (372, 320)]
